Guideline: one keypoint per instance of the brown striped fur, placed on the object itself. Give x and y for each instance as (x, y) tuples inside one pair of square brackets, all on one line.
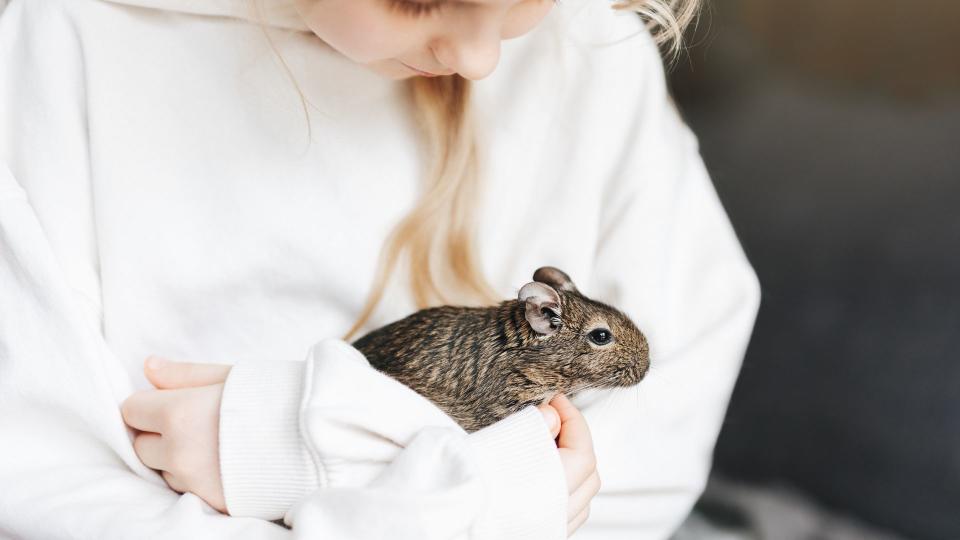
[(482, 364)]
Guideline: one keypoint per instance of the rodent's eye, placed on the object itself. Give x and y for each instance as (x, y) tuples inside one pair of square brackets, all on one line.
[(600, 336)]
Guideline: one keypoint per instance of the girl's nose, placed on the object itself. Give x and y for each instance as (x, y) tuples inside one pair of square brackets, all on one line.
[(471, 52)]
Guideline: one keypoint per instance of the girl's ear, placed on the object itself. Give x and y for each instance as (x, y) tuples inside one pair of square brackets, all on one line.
[(555, 277), (542, 307)]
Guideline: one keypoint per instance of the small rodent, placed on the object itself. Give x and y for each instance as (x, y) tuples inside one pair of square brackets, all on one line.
[(481, 364)]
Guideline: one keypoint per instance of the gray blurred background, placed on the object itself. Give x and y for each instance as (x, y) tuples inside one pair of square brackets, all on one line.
[(832, 132)]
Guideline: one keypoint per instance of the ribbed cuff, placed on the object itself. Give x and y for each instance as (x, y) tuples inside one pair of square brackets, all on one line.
[(264, 466), (526, 487)]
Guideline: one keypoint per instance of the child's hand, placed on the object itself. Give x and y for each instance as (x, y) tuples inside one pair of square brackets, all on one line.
[(576, 454), (180, 424)]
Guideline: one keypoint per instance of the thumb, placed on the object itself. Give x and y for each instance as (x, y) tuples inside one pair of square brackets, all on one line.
[(166, 374), (551, 418), (574, 432)]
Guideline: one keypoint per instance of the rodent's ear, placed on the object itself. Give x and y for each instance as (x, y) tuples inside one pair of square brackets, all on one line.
[(543, 307), (556, 278)]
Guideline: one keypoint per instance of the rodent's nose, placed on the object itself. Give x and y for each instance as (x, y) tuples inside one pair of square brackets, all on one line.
[(643, 366)]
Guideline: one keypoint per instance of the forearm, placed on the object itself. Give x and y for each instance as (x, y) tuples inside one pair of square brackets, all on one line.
[(372, 458), (66, 462)]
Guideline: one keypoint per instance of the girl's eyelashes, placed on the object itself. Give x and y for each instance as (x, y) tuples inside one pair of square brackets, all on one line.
[(416, 8)]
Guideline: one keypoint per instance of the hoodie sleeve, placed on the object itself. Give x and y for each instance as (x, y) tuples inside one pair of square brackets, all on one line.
[(340, 450), (668, 256), (67, 465)]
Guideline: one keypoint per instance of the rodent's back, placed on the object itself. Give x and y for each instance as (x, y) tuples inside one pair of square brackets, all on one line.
[(463, 359), (427, 340)]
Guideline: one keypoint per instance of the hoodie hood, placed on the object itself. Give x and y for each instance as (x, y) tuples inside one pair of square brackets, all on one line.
[(274, 13)]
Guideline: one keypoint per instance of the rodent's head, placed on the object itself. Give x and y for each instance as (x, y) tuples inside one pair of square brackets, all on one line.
[(587, 343)]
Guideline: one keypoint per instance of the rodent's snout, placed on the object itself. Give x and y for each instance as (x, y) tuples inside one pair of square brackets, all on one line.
[(640, 367), (631, 371), (644, 363)]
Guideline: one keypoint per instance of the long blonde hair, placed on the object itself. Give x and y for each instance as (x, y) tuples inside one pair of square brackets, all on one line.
[(437, 238)]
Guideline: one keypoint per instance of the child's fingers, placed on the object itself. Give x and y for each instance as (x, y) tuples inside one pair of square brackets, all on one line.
[(574, 433), (574, 444), (552, 419), (173, 482), (144, 410), (150, 449), (577, 521), (165, 374), (581, 497)]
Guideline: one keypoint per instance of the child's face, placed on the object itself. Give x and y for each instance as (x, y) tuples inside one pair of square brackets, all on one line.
[(440, 37)]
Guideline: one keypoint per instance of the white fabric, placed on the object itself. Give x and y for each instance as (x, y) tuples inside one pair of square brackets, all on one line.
[(160, 192), (362, 428)]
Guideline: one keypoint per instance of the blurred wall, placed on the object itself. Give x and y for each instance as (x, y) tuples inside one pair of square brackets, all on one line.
[(832, 131), (907, 48)]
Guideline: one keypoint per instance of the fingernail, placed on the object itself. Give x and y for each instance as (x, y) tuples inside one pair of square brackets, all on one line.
[(155, 362), (551, 418)]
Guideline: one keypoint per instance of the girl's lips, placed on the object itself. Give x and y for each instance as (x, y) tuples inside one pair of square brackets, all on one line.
[(420, 72)]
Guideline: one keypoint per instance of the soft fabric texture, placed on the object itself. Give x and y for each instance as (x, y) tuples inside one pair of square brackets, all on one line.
[(281, 441), (160, 192)]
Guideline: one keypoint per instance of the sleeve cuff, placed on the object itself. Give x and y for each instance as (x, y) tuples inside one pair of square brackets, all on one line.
[(264, 466), (526, 487)]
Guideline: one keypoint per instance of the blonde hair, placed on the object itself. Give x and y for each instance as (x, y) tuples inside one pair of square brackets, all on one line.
[(666, 19), (438, 237)]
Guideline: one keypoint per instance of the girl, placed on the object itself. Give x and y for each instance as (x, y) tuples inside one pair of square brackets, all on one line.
[(223, 180)]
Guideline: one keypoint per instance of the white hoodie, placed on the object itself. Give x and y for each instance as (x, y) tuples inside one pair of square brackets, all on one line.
[(159, 194)]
